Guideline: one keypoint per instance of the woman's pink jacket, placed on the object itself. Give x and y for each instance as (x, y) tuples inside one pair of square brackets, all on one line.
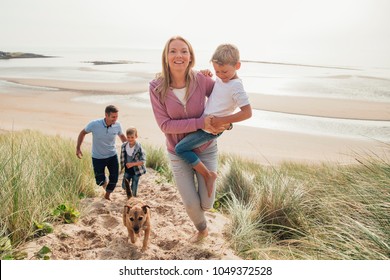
[(177, 120)]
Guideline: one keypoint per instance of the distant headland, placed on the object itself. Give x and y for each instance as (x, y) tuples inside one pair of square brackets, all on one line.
[(11, 55), (98, 62)]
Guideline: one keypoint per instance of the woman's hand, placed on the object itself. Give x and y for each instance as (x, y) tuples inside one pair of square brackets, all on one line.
[(208, 126)]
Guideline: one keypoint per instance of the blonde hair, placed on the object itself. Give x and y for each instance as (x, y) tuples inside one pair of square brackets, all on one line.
[(226, 54), (165, 76), (132, 131)]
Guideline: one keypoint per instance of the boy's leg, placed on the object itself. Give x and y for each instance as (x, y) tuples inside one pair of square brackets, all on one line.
[(134, 184), (193, 140), (210, 158), (209, 176), (126, 176), (184, 150)]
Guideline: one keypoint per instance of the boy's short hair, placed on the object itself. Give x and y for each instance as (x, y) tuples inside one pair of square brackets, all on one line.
[(111, 109), (132, 131), (226, 54)]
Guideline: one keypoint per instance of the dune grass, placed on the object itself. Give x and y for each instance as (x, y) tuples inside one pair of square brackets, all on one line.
[(298, 211), (38, 174), (42, 183), (290, 211), (157, 159)]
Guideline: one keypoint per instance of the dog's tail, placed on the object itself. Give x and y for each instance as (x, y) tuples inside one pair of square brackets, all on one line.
[(128, 188)]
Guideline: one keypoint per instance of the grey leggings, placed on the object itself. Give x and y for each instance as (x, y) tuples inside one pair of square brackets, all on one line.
[(194, 196)]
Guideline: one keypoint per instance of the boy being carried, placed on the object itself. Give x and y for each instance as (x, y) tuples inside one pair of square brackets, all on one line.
[(228, 94)]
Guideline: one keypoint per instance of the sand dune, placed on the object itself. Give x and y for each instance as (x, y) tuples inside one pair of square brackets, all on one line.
[(101, 235), (51, 106)]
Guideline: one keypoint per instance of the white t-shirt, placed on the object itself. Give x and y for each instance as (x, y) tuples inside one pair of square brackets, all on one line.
[(226, 98), (180, 94), (129, 150)]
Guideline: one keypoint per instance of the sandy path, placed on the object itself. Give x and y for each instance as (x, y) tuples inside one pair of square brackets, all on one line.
[(101, 235)]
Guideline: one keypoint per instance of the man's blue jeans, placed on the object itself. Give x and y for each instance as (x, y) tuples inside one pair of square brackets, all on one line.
[(99, 166), (193, 140)]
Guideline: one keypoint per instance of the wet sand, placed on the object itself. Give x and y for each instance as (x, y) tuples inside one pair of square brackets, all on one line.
[(56, 109)]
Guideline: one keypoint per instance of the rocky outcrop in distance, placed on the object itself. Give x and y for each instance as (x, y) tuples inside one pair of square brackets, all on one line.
[(10, 55)]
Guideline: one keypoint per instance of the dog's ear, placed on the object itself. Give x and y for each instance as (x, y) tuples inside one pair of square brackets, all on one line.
[(145, 208), (126, 209)]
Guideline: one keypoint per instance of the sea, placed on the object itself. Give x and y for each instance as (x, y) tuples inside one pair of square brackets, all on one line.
[(270, 76)]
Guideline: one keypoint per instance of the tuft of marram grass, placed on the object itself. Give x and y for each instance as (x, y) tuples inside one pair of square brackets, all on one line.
[(38, 173), (300, 211), (157, 159)]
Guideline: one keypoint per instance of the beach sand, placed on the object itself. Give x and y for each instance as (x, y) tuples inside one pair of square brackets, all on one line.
[(99, 234), (59, 112)]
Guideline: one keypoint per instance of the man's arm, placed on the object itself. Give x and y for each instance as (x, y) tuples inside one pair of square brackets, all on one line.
[(80, 140)]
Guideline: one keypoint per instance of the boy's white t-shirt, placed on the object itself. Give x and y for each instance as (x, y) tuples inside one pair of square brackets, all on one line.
[(226, 98), (129, 150)]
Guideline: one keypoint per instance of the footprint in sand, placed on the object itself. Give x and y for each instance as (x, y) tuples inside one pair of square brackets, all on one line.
[(172, 197), (165, 189), (88, 221), (161, 209), (101, 211), (87, 234), (168, 244), (109, 221)]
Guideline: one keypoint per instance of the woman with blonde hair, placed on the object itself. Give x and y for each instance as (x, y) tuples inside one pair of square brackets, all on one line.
[(178, 95)]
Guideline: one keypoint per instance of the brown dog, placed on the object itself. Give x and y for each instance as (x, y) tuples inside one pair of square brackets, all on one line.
[(136, 217)]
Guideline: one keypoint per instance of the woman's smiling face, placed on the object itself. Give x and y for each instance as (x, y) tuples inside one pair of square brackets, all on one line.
[(179, 56)]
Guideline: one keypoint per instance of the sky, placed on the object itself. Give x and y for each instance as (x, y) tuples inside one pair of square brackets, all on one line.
[(261, 29)]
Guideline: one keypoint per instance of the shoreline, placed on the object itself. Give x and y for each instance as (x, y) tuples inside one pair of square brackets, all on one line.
[(56, 112), (298, 105)]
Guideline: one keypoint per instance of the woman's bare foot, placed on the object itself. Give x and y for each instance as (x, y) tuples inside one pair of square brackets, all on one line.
[(210, 181), (199, 236)]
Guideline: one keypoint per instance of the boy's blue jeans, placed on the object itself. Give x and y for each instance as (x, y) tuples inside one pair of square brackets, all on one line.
[(193, 140), (99, 166), (134, 183)]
